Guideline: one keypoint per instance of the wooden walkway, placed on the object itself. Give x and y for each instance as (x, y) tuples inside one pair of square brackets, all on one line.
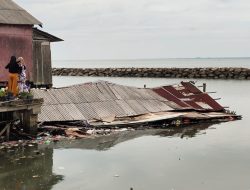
[(25, 110)]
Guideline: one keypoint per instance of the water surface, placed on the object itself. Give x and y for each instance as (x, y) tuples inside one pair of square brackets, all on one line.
[(203, 157), (174, 62)]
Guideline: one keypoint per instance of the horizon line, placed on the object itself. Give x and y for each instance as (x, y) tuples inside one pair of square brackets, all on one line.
[(121, 59)]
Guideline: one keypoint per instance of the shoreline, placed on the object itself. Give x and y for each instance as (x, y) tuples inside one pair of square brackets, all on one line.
[(236, 73)]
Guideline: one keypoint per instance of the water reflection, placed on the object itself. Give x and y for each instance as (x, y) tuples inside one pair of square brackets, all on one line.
[(27, 168), (106, 142), (31, 167), (187, 132)]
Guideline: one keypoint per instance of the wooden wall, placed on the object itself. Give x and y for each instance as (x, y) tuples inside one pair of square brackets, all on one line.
[(42, 71), (15, 40)]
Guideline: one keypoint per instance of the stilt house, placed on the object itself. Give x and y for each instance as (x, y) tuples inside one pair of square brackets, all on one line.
[(18, 37)]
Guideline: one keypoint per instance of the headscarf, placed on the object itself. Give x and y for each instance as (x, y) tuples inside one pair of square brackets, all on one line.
[(20, 60)]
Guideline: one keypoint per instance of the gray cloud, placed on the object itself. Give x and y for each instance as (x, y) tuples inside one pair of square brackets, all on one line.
[(94, 29)]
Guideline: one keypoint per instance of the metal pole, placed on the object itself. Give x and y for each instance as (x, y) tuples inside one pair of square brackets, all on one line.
[(204, 87)]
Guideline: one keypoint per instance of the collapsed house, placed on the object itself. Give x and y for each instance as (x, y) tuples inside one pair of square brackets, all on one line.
[(106, 104)]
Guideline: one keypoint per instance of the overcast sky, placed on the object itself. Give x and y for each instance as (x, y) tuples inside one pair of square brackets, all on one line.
[(129, 29)]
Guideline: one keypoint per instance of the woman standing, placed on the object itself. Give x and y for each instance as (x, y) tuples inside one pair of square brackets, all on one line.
[(14, 69), (22, 75)]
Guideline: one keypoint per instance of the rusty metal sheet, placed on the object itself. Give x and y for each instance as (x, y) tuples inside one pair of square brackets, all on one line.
[(191, 95), (170, 97), (174, 92), (191, 88), (204, 105), (193, 104), (184, 95), (205, 98)]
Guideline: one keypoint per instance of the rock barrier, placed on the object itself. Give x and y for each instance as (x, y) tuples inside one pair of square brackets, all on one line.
[(204, 73)]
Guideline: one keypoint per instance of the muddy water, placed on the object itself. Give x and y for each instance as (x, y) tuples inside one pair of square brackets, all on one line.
[(198, 157)]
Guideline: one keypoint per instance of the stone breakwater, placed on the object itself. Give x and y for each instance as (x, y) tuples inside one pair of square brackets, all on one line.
[(206, 73)]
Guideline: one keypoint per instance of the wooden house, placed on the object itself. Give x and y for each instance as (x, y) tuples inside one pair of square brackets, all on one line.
[(42, 68), (18, 37)]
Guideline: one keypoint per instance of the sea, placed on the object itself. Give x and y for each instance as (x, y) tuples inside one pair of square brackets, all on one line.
[(171, 62), (202, 157), (141, 63)]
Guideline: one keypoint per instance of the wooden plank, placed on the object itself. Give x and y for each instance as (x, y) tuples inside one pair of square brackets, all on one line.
[(8, 133), (37, 63), (4, 129), (46, 58)]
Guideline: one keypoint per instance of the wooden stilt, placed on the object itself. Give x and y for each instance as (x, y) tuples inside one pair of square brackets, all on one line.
[(30, 122), (8, 133), (6, 130), (24, 110)]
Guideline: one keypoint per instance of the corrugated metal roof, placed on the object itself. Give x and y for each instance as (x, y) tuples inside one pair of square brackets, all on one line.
[(189, 96), (41, 35), (11, 13), (96, 101)]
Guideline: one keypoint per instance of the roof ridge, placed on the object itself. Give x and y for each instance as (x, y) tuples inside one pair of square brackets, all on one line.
[(13, 10)]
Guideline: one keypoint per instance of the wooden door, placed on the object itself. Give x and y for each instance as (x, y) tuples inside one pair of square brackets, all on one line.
[(42, 71)]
